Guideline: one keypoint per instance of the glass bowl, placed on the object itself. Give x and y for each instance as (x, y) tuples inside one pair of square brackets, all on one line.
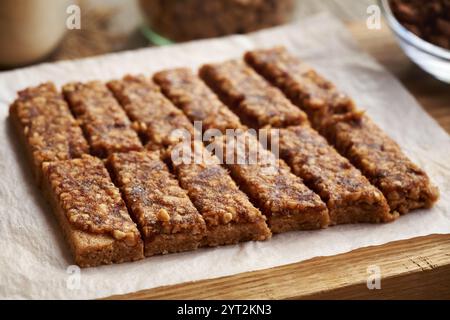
[(431, 58)]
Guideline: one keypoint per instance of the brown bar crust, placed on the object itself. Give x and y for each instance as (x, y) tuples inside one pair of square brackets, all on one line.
[(166, 217), (154, 116), (46, 126), (381, 160), (195, 98), (281, 196), (104, 122), (230, 217), (91, 211), (348, 194), (318, 97), (253, 99), (354, 135)]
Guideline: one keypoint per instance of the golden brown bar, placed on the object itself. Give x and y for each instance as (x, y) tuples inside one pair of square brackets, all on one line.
[(354, 135), (196, 99), (253, 99), (166, 217), (380, 159), (318, 97), (279, 194), (154, 116), (46, 127), (229, 215), (348, 194), (104, 122), (91, 212)]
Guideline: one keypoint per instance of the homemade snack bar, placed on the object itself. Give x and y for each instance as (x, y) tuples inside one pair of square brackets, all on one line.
[(354, 135), (348, 194), (229, 215), (91, 212), (197, 101), (154, 116), (250, 96), (46, 127), (104, 122), (272, 187), (380, 159), (166, 217), (318, 97)]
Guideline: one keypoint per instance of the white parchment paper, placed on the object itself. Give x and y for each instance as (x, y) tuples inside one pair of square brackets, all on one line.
[(34, 257)]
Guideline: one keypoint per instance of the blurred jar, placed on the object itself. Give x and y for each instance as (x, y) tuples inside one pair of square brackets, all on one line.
[(30, 29), (183, 20)]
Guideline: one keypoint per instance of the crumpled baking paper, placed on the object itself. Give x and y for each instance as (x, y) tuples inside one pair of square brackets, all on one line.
[(35, 261)]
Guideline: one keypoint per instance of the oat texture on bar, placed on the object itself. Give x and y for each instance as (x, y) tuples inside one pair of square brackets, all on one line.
[(157, 120), (91, 212), (315, 95), (104, 122), (353, 133), (272, 187), (166, 217), (46, 126), (229, 215), (252, 98), (189, 93), (381, 160), (348, 194)]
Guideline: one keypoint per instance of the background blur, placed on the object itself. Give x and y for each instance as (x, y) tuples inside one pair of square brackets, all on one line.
[(116, 25), (113, 25)]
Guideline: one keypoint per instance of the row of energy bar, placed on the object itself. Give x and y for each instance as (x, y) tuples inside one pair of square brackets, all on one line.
[(336, 165)]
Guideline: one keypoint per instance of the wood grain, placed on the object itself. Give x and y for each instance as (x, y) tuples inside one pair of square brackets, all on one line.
[(416, 268)]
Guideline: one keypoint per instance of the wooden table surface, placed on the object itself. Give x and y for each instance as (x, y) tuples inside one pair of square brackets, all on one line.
[(416, 268), (411, 269)]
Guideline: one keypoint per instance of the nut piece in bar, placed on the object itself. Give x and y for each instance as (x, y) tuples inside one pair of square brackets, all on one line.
[(229, 215), (354, 135), (189, 93), (167, 219), (380, 159), (318, 97), (104, 122), (154, 116), (91, 212), (348, 194), (271, 186), (252, 98), (46, 126)]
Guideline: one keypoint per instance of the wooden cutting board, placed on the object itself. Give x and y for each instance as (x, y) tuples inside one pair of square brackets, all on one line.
[(415, 268)]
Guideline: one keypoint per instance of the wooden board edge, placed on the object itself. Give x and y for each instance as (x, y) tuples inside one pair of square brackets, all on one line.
[(407, 262)]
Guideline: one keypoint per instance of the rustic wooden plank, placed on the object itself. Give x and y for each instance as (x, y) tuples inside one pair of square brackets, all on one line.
[(414, 268)]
